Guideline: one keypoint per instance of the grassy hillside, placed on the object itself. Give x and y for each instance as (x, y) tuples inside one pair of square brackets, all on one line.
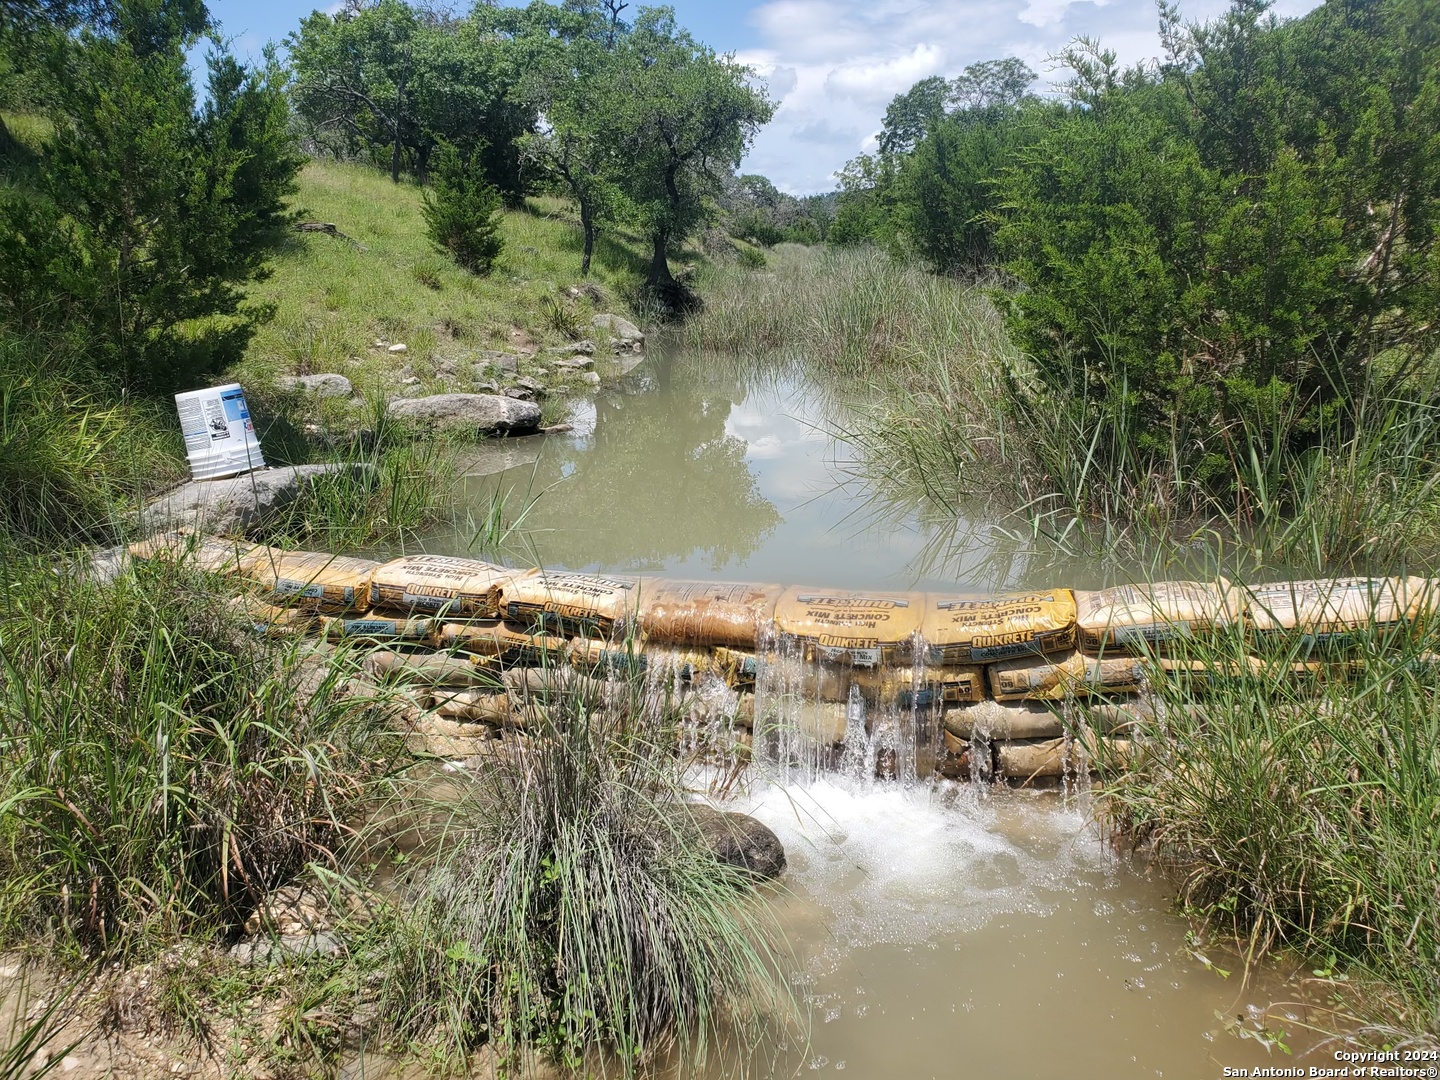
[(334, 297), (330, 299)]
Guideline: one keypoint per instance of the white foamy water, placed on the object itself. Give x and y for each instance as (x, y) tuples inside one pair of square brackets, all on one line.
[(895, 865)]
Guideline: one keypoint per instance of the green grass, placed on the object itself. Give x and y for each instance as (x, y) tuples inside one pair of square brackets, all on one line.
[(333, 297), (73, 458), (571, 909), (1305, 812), (949, 423), (160, 769)]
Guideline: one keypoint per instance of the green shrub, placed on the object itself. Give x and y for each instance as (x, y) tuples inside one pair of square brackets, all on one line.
[(751, 258), (150, 213), (462, 212)]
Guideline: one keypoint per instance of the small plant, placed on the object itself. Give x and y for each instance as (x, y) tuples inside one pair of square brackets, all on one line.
[(462, 212), (560, 317), (751, 258)]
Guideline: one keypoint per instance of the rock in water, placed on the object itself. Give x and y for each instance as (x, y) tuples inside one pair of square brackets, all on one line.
[(487, 414), (741, 841), (621, 329), (328, 385)]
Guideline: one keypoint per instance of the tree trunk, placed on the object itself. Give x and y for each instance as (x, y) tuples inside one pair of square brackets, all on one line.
[(395, 157), (8, 143), (659, 265), (587, 225)]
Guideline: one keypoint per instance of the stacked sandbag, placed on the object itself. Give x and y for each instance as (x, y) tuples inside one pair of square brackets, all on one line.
[(1068, 675), (1053, 758), (559, 602), (271, 620), (1334, 615), (838, 626), (212, 554), (310, 580), (498, 641), (706, 614), (378, 626), (1142, 620), (982, 630), (439, 585)]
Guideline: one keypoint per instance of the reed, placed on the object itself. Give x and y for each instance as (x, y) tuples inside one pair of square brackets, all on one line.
[(1302, 809), (947, 420), (572, 909), (161, 770)]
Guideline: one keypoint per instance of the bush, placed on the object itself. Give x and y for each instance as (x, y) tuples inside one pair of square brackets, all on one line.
[(150, 213), (461, 212)]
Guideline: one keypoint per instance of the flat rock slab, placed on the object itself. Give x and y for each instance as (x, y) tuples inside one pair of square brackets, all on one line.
[(485, 414), (237, 504), (329, 385)]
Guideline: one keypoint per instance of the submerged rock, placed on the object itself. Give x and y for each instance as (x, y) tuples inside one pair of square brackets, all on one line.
[(741, 841), (487, 414)]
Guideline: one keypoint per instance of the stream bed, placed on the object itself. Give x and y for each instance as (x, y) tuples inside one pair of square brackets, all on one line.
[(939, 930)]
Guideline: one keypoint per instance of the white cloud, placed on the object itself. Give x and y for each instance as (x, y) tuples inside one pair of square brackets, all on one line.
[(834, 65)]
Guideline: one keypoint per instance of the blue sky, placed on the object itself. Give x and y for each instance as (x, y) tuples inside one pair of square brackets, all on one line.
[(833, 65)]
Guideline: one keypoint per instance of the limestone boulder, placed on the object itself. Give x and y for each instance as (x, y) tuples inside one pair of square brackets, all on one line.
[(239, 504), (485, 414), (325, 386), (621, 329)]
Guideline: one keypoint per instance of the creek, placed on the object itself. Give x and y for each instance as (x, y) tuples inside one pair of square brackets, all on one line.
[(938, 928)]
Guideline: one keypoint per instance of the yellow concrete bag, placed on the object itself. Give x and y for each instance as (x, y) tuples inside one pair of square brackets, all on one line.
[(377, 626), (439, 584), (706, 613), (1141, 618), (981, 630), (863, 629), (509, 645), (313, 580), (559, 602), (1336, 614), (993, 720), (1052, 757), (271, 620), (1055, 678)]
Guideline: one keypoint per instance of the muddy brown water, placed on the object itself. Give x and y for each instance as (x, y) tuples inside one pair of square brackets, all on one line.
[(938, 930)]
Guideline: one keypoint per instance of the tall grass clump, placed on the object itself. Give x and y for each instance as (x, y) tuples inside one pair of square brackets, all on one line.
[(1300, 806), (398, 484), (575, 911), (161, 770), (69, 457)]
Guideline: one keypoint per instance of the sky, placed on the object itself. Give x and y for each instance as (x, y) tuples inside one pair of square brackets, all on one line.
[(833, 65)]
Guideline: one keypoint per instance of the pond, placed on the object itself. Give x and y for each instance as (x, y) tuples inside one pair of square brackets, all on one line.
[(939, 929)]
